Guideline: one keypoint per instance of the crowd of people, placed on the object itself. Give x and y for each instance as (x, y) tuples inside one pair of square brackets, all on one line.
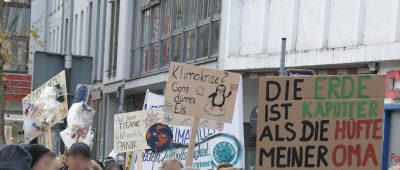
[(78, 157), (38, 157)]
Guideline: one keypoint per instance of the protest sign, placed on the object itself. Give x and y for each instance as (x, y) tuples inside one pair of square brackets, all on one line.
[(201, 92), (321, 122), (130, 130), (45, 106), (208, 140), (155, 101), (82, 93)]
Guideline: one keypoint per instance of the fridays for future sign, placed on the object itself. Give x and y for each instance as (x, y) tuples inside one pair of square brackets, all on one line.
[(201, 92), (322, 122)]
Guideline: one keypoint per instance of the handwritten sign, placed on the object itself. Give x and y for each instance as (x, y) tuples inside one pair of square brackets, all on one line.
[(322, 122), (130, 131), (201, 92), (45, 106)]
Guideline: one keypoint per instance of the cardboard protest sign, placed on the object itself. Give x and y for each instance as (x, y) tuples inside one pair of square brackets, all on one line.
[(130, 130), (321, 122), (155, 101), (212, 146), (45, 106), (201, 92)]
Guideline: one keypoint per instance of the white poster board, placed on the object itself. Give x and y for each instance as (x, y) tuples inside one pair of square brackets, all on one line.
[(45, 106), (213, 146)]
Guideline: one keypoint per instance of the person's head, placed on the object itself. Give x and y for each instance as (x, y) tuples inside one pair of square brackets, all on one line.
[(78, 157), (96, 165), (114, 166), (171, 164), (224, 166), (42, 158), (10, 153)]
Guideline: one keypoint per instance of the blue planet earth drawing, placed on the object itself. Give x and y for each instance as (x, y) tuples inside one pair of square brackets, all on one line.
[(224, 152), (159, 137)]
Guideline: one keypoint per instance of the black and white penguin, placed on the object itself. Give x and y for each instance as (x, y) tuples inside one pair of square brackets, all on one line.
[(218, 97)]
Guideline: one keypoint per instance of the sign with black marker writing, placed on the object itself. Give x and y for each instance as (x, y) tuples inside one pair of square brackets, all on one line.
[(130, 130), (201, 92), (321, 122)]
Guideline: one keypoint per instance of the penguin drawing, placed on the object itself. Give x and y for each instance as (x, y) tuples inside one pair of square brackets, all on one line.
[(218, 97)]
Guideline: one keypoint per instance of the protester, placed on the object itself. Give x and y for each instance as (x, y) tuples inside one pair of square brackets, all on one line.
[(78, 157), (114, 166), (10, 153), (223, 166), (171, 164), (96, 165), (42, 158)]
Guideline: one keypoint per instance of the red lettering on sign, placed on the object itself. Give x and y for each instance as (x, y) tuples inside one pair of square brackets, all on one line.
[(395, 93)]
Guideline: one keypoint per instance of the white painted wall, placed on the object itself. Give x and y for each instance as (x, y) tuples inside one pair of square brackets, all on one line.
[(318, 32)]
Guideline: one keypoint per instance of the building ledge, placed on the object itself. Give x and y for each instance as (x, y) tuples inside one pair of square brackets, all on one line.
[(311, 58)]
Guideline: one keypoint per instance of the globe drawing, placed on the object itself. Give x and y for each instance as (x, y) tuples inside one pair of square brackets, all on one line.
[(159, 137), (224, 152)]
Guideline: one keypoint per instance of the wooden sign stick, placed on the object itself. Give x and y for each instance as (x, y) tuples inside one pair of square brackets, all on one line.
[(139, 157), (49, 143), (192, 143)]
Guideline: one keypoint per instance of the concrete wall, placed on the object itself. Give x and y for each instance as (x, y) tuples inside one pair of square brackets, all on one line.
[(318, 32)]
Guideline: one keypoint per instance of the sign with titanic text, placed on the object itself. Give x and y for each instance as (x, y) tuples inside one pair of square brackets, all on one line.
[(130, 130), (201, 92), (321, 122)]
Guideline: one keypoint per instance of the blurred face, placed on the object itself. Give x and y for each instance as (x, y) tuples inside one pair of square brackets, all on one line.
[(172, 166), (78, 162), (46, 162)]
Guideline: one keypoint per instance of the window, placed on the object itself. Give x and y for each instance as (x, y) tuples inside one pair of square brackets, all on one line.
[(156, 23), (189, 49), (165, 53), (174, 30), (166, 17), (178, 14), (190, 17), (113, 41)]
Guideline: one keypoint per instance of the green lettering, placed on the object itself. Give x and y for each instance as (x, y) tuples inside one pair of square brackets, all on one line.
[(345, 80), (351, 107), (306, 109), (373, 105), (328, 107), (317, 87), (319, 110), (333, 84), (336, 111), (361, 109), (361, 86)]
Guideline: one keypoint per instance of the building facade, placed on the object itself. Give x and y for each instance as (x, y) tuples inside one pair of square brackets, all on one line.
[(15, 17), (330, 37), (76, 28), (133, 42)]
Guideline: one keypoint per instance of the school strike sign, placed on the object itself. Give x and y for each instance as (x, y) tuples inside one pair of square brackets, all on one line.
[(201, 92), (322, 122)]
